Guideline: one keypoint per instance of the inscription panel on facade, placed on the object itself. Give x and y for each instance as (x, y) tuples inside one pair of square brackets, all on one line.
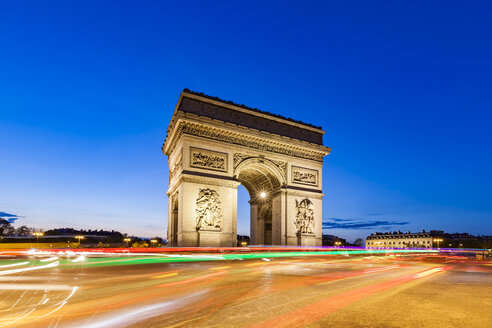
[(270, 125), (305, 176), (208, 159)]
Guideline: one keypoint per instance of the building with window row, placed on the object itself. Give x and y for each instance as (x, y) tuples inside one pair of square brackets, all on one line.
[(399, 239)]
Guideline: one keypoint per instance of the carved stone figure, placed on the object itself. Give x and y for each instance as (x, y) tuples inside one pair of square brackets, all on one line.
[(281, 165), (305, 216), (238, 158), (208, 211)]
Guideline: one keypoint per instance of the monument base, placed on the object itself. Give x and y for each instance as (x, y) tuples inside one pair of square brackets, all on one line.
[(208, 238), (306, 239)]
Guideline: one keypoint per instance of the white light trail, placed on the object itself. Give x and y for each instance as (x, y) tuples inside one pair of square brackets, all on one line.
[(9, 323), (61, 303), (382, 269), (13, 264), (50, 265), (34, 287), (129, 317), (81, 258), (54, 258), (428, 272)]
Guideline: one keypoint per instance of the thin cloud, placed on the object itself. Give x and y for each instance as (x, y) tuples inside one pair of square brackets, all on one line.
[(10, 218), (355, 225), (340, 220), (8, 215)]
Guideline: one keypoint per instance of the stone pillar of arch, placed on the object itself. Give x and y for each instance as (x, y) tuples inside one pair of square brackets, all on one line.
[(213, 146)]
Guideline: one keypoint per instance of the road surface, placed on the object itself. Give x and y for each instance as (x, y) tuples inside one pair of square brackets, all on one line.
[(159, 290)]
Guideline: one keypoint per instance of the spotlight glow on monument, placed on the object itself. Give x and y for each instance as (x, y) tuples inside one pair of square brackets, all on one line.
[(263, 194)]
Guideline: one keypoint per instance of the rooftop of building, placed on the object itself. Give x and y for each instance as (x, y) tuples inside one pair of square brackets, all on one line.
[(228, 102), (396, 234)]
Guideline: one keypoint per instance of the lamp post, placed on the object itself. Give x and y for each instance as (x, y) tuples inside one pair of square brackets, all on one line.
[(79, 237), (438, 240), (153, 241), (127, 240), (338, 243), (37, 234)]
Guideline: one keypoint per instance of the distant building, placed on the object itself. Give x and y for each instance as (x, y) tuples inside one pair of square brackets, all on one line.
[(243, 240), (433, 238), (399, 239), (329, 240)]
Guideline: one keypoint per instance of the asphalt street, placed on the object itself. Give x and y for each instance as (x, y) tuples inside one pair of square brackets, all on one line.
[(188, 290)]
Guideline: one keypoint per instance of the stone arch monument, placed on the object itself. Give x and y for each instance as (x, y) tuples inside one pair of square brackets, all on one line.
[(213, 146)]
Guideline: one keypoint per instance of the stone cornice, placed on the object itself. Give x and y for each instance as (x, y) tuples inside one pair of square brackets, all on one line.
[(304, 150)]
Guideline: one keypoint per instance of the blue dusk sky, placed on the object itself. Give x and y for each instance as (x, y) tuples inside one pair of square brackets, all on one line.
[(402, 88)]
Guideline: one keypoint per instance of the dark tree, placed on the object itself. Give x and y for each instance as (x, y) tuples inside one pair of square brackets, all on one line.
[(23, 231), (6, 229), (359, 242)]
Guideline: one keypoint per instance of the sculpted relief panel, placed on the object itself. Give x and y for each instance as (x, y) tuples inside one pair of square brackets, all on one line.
[(208, 211), (304, 176), (305, 216), (207, 159)]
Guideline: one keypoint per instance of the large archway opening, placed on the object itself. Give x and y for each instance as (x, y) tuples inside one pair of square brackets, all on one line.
[(243, 216), (262, 180)]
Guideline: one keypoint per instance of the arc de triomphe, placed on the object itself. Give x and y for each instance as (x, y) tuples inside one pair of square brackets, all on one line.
[(213, 146)]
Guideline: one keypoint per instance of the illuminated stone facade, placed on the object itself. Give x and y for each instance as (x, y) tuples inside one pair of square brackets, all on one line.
[(400, 240), (213, 146)]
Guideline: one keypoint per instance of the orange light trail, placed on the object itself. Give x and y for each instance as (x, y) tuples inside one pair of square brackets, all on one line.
[(181, 282), (320, 309)]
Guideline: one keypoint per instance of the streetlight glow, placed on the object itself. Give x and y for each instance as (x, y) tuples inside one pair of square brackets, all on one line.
[(79, 237), (37, 234), (438, 240)]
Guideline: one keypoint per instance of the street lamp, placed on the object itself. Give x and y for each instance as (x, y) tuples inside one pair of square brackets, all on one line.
[(37, 234), (79, 237), (153, 241), (127, 240), (338, 243), (438, 240)]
